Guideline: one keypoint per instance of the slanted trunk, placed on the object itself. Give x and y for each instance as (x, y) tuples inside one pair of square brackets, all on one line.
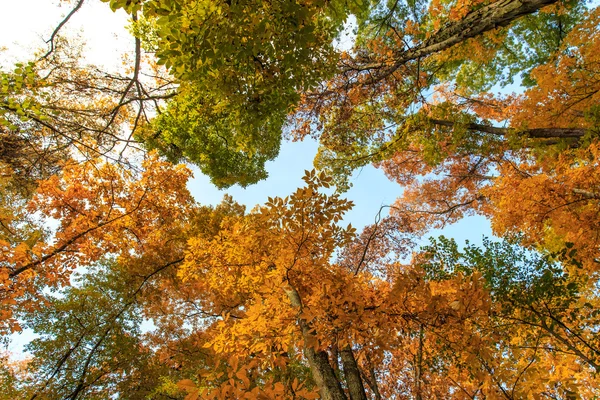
[(497, 14), (540, 133), (371, 380)]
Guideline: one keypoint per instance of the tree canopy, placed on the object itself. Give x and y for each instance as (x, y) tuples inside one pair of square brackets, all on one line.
[(137, 291)]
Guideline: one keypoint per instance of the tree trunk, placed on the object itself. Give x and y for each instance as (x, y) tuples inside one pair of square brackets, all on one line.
[(352, 374), (419, 367), (497, 14), (318, 361), (335, 356), (540, 133)]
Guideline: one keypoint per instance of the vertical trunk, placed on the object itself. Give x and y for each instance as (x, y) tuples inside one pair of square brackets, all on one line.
[(318, 361), (335, 356), (419, 366), (352, 374)]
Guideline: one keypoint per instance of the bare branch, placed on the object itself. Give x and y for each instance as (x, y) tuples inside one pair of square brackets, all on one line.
[(59, 27)]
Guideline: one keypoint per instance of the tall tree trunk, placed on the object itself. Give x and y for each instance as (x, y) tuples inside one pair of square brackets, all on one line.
[(352, 374), (419, 367), (335, 356), (321, 370)]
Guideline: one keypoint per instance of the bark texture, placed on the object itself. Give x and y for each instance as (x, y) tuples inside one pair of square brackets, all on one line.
[(318, 361), (356, 388)]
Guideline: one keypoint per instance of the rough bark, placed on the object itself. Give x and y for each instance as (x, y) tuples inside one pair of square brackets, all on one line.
[(318, 361), (354, 382), (335, 356)]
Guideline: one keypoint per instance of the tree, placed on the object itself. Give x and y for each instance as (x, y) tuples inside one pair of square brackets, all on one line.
[(104, 210), (284, 301), (91, 342), (240, 77), (534, 299), (55, 113), (55, 108), (447, 150), (372, 107), (257, 306), (11, 375), (241, 67)]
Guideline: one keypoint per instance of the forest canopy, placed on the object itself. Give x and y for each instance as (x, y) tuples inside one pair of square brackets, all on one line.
[(286, 301)]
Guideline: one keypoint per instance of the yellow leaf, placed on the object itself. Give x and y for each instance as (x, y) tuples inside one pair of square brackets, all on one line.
[(187, 384)]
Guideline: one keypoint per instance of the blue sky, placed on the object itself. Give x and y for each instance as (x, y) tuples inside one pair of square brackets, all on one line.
[(371, 189)]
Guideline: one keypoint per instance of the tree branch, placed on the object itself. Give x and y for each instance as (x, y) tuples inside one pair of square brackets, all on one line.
[(59, 27), (541, 133)]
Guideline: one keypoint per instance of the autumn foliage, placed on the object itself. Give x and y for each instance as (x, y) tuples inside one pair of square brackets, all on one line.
[(136, 291)]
